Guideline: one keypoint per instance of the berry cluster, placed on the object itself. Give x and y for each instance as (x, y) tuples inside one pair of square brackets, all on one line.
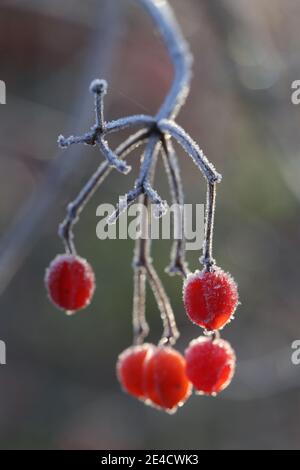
[(155, 375), (158, 375), (161, 377)]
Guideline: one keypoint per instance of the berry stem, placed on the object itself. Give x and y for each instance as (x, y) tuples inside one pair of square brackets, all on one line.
[(207, 259), (140, 325), (170, 331), (178, 264), (143, 268)]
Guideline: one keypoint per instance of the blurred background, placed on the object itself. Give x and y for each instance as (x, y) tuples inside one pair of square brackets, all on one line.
[(59, 389)]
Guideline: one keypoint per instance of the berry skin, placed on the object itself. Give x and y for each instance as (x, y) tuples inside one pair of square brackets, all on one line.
[(210, 298), (130, 369), (165, 380), (70, 282), (210, 364)]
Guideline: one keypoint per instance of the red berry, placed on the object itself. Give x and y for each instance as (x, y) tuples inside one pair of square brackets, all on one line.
[(210, 298), (210, 364), (70, 282), (165, 380), (130, 369)]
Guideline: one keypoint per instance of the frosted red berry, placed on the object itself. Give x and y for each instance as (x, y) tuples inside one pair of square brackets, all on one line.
[(210, 298), (130, 369), (70, 282), (165, 381), (210, 364)]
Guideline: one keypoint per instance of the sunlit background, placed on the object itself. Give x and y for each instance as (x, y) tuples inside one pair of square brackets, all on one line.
[(59, 389)]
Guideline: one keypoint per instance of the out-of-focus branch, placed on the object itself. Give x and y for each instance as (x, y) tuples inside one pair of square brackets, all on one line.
[(26, 226)]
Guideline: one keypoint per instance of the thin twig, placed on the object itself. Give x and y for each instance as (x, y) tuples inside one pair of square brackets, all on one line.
[(76, 206), (144, 269), (99, 88), (142, 184), (170, 332), (140, 325), (178, 264)]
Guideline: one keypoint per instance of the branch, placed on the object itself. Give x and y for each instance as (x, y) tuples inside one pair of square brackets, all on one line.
[(96, 136), (192, 149), (76, 207), (142, 184), (178, 51)]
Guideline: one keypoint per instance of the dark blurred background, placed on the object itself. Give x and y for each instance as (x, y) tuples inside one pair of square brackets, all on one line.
[(58, 389)]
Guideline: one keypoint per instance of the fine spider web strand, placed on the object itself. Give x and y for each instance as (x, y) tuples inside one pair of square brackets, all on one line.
[(178, 264), (207, 259), (75, 208)]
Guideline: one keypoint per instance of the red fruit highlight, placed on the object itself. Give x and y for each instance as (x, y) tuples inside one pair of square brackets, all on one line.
[(210, 364), (70, 282), (165, 380), (130, 369), (210, 298)]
